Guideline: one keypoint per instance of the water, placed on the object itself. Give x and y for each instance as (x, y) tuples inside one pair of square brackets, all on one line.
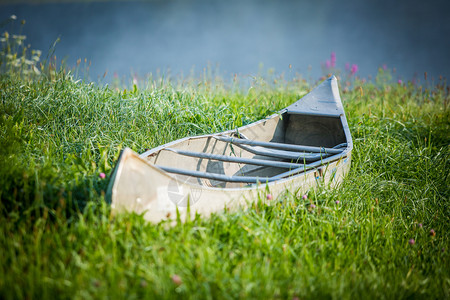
[(238, 36)]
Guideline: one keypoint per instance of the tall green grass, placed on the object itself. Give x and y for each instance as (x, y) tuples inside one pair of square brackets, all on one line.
[(370, 238)]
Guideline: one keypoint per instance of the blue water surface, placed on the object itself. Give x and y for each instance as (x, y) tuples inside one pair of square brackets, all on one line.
[(243, 37)]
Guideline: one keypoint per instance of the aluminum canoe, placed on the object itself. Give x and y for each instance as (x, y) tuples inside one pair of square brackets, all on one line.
[(304, 144)]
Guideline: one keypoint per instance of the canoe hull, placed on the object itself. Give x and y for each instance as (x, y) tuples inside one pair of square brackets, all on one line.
[(305, 145), (144, 189)]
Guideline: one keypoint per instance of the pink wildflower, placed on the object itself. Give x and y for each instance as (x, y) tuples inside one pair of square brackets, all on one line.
[(313, 206), (337, 202), (102, 175), (328, 64), (412, 241), (333, 59), (399, 81), (305, 197), (176, 279), (432, 232), (269, 197), (354, 69)]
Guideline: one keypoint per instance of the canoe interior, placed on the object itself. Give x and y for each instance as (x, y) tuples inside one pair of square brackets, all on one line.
[(314, 131), (296, 129)]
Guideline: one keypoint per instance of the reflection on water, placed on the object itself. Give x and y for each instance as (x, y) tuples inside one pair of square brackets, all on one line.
[(238, 36)]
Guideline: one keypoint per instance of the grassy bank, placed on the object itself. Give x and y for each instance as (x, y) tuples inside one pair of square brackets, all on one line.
[(382, 234)]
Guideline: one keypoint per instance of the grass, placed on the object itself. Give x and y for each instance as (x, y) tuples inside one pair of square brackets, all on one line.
[(58, 239)]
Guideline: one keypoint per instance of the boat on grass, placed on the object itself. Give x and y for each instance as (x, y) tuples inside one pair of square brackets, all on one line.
[(305, 144)]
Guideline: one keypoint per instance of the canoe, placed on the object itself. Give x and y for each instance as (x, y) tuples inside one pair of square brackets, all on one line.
[(306, 144)]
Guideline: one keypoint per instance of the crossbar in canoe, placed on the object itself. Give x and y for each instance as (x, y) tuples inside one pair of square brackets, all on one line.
[(281, 146), (340, 146), (219, 177), (303, 168), (293, 156), (234, 159)]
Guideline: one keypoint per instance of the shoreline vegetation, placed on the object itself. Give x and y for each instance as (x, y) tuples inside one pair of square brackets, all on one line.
[(382, 234)]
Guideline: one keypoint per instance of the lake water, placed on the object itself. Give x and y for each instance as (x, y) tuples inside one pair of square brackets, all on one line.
[(242, 36)]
